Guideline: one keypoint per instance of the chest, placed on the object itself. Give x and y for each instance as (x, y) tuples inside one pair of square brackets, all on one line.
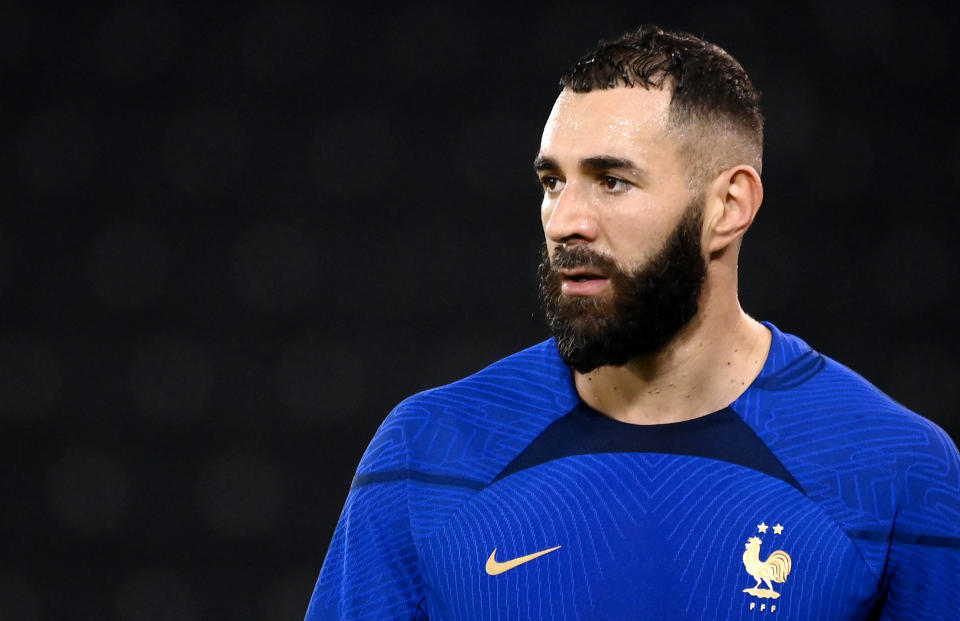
[(642, 536)]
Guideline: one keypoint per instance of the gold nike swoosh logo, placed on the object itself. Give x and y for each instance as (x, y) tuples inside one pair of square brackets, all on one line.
[(495, 567)]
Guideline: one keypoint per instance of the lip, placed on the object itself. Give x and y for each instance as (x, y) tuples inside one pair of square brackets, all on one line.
[(574, 272), (591, 286)]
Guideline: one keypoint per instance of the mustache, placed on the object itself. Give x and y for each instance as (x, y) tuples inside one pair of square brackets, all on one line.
[(582, 257)]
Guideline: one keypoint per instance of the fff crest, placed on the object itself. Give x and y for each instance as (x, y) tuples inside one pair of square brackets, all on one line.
[(775, 569)]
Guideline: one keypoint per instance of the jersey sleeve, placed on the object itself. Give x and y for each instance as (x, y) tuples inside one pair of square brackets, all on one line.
[(922, 576), (371, 568)]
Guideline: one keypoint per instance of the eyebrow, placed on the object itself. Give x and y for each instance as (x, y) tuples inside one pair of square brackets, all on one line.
[(597, 163), (607, 162), (544, 163)]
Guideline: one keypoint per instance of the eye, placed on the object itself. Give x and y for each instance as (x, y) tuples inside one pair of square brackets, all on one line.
[(551, 184), (613, 184)]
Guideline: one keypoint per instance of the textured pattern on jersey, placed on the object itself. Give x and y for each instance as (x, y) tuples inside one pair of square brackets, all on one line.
[(643, 536), (432, 452), (472, 428), (371, 567), (889, 478), (646, 535)]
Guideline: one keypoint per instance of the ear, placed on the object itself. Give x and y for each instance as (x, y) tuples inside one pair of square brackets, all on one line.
[(733, 199)]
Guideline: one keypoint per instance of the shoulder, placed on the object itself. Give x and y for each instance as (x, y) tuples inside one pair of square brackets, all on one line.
[(882, 430), (866, 458), (845, 408), (925, 455), (534, 377), (471, 425), (894, 479), (881, 471), (802, 391)]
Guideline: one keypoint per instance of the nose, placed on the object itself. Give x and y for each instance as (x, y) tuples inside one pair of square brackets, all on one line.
[(569, 218)]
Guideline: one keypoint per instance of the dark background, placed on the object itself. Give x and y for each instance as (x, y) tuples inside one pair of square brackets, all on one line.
[(233, 238)]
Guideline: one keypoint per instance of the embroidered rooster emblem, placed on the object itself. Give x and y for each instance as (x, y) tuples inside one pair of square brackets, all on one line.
[(776, 568)]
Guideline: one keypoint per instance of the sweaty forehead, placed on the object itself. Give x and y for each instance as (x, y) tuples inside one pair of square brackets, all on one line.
[(614, 121)]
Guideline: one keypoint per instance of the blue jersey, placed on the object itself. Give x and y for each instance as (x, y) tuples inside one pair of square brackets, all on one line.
[(503, 496)]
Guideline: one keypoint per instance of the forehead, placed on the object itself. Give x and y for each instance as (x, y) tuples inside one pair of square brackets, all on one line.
[(625, 121)]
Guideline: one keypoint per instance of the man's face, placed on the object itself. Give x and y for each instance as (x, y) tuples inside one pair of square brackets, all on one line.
[(623, 267)]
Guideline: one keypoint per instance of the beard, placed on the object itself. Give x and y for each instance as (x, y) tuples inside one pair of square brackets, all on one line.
[(644, 311)]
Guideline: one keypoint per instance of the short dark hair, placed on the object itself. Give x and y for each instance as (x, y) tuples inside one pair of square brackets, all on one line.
[(709, 87)]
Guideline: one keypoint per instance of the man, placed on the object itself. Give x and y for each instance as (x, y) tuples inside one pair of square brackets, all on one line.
[(664, 456)]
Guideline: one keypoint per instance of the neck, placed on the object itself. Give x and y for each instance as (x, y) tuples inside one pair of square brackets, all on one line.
[(710, 362)]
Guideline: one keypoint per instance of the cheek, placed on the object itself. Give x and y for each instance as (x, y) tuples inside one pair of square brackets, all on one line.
[(633, 239), (546, 210)]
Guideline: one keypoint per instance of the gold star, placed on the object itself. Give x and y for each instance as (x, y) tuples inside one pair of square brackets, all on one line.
[(762, 527), (778, 529)]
